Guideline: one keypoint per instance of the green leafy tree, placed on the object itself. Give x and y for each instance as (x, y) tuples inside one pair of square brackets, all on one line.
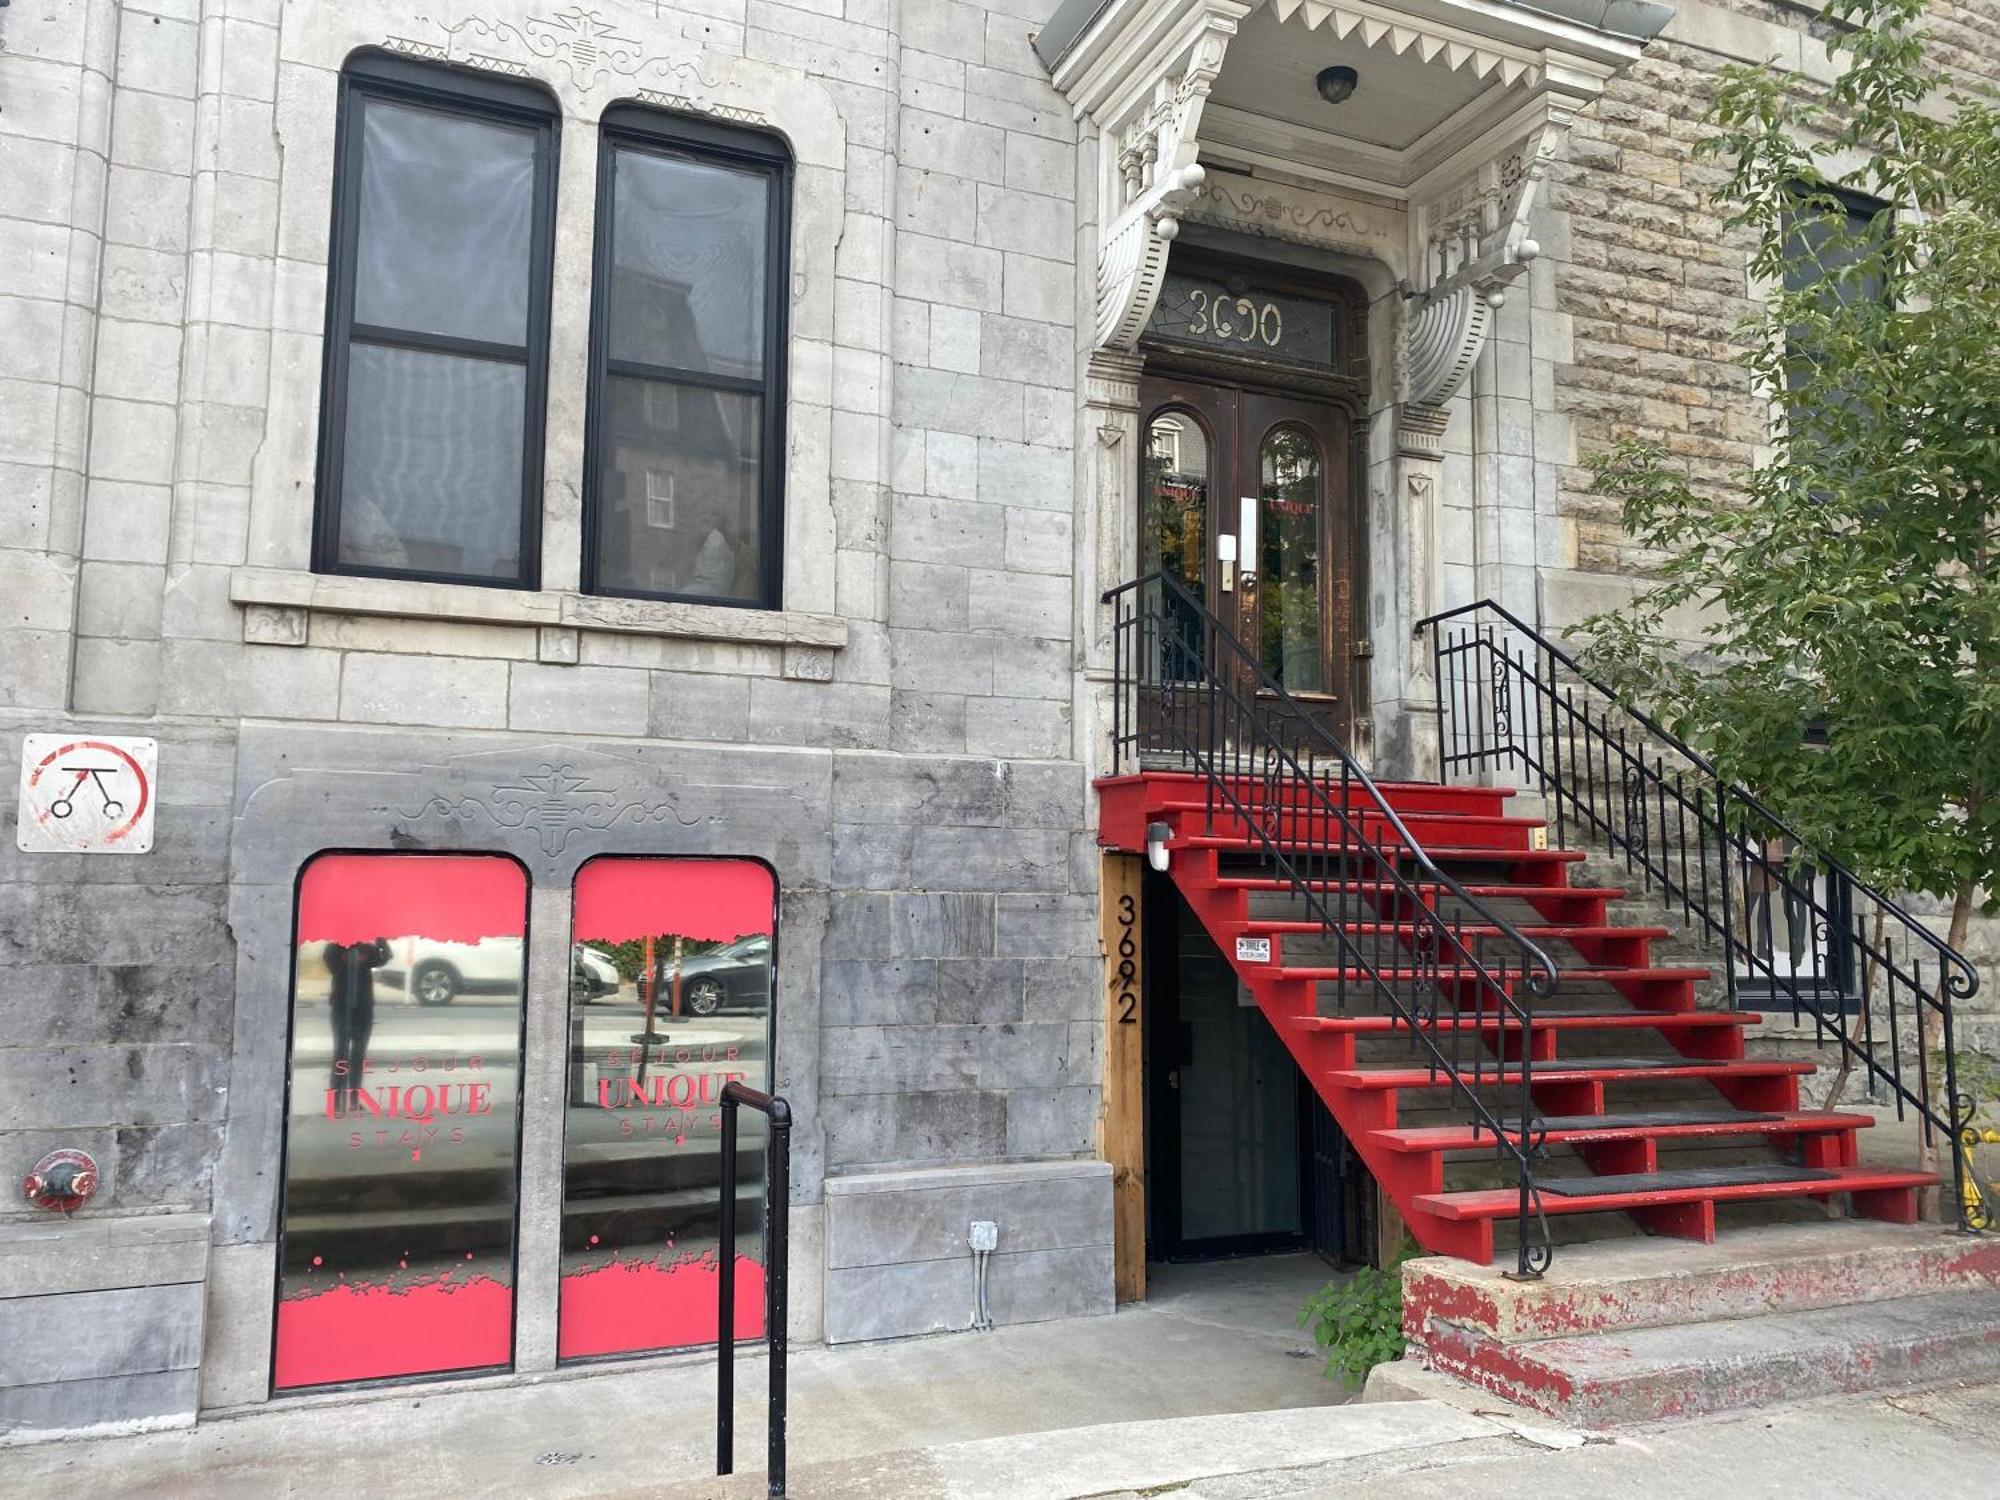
[(1848, 583)]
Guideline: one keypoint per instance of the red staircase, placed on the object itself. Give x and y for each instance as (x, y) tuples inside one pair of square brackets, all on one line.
[(1647, 1114)]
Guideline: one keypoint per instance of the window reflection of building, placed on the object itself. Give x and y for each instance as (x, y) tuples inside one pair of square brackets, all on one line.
[(679, 459), (682, 497)]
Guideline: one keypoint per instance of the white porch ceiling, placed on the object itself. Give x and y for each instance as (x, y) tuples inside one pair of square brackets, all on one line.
[(1272, 64)]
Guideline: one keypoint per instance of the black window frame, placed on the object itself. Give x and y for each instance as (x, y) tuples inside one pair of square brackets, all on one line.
[(475, 96), (628, 126)]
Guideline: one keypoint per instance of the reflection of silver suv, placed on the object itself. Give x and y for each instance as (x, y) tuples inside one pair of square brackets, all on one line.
[(736, 974), (435, 973)]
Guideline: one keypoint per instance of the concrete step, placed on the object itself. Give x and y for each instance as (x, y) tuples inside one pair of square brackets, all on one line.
[(1631, 1284), (1652, 1374)]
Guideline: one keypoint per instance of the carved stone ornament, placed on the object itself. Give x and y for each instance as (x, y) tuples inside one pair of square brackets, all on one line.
[(581, 41), (1281, 212), (554, 802), (1470, 243), (1156, 176)]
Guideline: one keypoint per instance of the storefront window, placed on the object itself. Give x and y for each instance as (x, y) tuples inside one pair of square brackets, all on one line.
[(671, 965), (396, 1249)]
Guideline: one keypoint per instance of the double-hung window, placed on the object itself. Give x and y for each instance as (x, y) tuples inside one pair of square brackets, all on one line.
[(686, 446), (437, 326)]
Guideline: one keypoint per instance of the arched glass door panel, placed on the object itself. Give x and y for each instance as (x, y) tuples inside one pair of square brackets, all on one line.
[(1173, 530), (1291, 607)]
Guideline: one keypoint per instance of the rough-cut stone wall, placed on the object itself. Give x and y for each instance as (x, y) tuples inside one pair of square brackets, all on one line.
[(1647, 289), (1651, 286)]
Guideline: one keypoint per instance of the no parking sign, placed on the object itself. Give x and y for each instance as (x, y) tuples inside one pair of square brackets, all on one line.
[(86, 794)]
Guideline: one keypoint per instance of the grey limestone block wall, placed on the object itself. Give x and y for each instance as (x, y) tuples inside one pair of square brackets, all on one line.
[(898, 1259), (117, 979), (100, 1324), (960, 986)]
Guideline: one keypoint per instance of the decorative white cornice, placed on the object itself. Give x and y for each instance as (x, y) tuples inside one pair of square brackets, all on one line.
[(1143, 72), (1150, 174)]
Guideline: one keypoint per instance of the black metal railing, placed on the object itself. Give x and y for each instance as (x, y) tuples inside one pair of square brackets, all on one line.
[(777, 1225), (1797, 929), (1189, 695)]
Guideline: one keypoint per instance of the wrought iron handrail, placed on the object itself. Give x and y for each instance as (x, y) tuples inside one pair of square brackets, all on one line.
[(1186, 688), (1510, 698), (777, 1223)]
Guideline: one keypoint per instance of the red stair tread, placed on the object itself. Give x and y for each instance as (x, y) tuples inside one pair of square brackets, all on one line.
[(1462, 1137), (1481, 853), (1565, 930), (1387, 788), (1500, 1203), (1492, 820), (1504, 890), (1560, 1071), (1553, 1021), (1452, 971)]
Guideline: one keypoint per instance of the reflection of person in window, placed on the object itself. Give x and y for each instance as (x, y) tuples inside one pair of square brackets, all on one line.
[(714, 574), (1767, 875), (353, 967)]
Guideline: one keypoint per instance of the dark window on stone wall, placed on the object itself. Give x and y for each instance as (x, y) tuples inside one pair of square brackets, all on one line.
[(1831, 234), (685, 477), (435, 380)]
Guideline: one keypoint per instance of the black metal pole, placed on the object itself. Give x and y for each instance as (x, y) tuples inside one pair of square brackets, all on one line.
[(778, 1210), (725, 1299)]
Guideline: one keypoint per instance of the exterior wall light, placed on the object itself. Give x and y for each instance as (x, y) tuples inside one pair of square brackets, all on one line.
[(1157, 835), (1335, 84)]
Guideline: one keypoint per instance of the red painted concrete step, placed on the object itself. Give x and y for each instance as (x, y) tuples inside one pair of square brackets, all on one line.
[(1453, 971), (1580, 1130), (1650, 1020), (1636, 1330), (1500, 1203), (1580, 1071)]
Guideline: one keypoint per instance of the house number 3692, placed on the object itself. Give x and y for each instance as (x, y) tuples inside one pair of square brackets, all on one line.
[(1239, 318)]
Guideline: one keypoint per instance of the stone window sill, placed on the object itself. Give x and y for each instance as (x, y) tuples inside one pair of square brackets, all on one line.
[(278, 602)]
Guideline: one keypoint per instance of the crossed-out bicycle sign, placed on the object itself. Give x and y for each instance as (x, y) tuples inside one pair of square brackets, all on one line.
[(86, 796)]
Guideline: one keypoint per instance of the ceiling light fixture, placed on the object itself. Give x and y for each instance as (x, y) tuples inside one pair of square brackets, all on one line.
[(1335, 84)]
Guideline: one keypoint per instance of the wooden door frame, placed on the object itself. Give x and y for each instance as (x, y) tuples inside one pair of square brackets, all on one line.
[(1343, 386)]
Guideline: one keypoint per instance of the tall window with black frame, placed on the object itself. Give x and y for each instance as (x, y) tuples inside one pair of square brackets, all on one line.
[(437, 326), (686, 470)]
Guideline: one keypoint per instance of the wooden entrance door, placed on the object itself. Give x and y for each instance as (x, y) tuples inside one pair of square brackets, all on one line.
[(1272, 474)]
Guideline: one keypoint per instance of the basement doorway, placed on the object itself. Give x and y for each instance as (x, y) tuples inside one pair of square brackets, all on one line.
[(1242, 1157)]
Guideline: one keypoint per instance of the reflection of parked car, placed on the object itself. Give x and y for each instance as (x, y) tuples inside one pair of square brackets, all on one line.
[(737, 974), (591, 973), (435, 973)]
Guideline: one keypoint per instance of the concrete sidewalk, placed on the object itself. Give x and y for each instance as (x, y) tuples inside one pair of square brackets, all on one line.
[(1213, 1339), (1206, 1393)]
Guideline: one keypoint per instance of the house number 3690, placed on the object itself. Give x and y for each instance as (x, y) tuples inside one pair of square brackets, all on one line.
[(1224, 317)]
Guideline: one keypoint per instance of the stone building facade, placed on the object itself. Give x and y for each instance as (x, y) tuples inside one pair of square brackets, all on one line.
[(905, 734)]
